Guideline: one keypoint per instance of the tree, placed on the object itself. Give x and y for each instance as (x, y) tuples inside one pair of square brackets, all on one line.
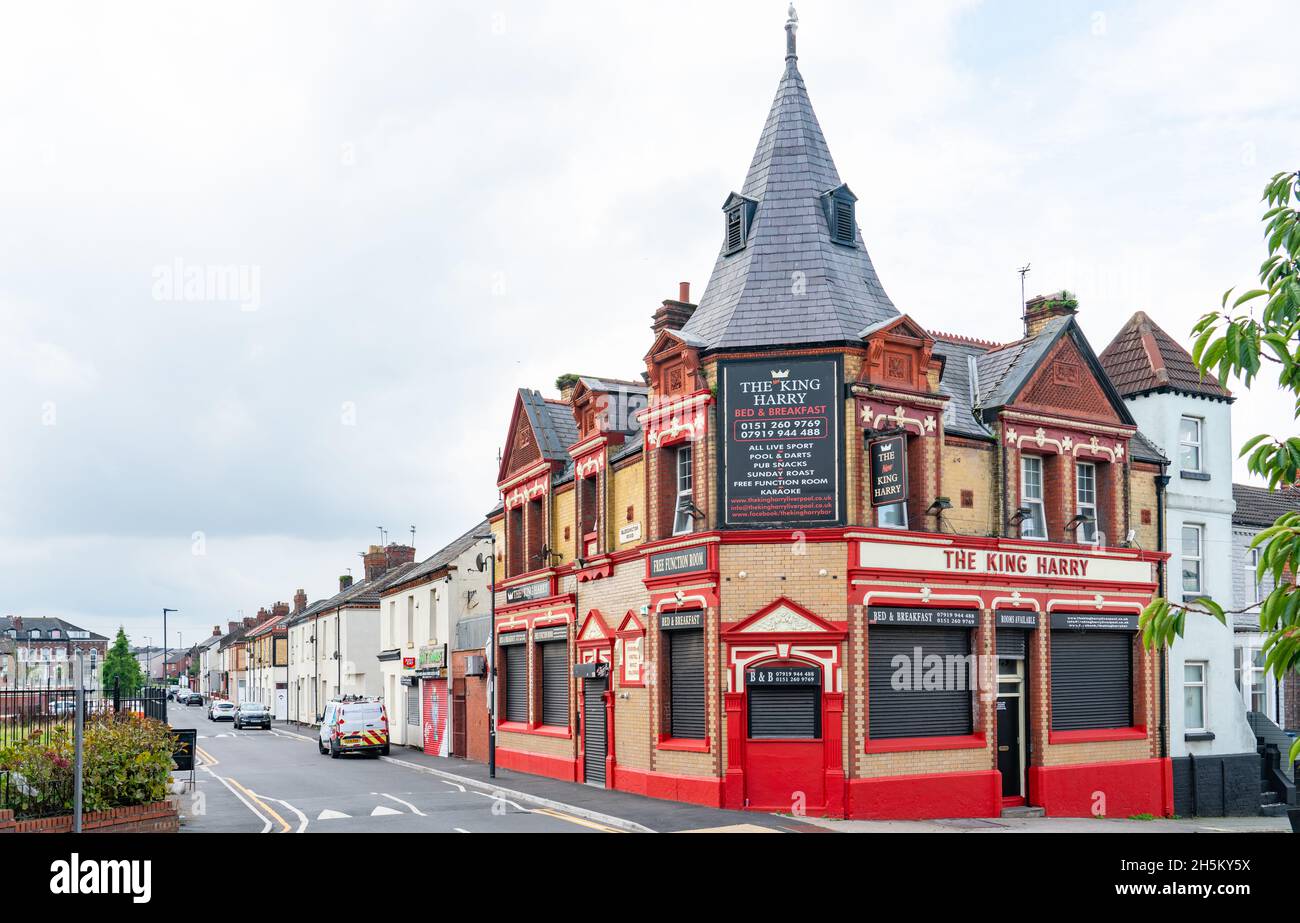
[(121, 667), (1261, 325)]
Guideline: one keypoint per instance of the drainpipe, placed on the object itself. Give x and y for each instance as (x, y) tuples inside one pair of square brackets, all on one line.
[(1162, 482)]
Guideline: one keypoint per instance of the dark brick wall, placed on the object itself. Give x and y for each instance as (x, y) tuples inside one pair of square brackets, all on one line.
[(1225, 786)]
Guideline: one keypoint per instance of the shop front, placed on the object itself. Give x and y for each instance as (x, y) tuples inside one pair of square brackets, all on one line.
[(426, 690)]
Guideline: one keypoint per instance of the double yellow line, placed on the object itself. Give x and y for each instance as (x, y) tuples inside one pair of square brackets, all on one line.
[(210, 760)]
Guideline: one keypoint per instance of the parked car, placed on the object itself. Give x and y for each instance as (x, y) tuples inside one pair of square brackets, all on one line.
[(354, 725), (252, 714), (221, 711), (63, 707)]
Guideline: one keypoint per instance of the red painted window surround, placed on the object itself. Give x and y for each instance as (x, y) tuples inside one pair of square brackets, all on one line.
[(901, 744), (684, 745), (514, 727), (1138, 732)]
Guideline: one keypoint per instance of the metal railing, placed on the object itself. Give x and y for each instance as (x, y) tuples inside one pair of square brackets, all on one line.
[(42, 714)]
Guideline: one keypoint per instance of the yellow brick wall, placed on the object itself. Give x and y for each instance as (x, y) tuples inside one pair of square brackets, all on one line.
[(1142, 496), (966, 467), (629, 490), (563, 516)]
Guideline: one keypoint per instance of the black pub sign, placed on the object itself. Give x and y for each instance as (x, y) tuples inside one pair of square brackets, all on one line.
[(927, 618), (1017, 619), (1099, 621), (526, 592), (780, 446), (674, 621), (680, 561), (187, 740), (889, 471), (783, 676)]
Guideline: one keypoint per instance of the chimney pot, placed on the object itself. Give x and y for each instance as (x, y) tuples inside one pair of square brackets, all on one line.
[(684, 292)]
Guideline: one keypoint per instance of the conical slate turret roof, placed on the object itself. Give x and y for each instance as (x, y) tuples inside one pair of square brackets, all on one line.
[(791, 283)]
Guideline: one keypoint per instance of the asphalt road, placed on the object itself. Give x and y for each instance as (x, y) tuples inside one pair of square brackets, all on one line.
[(255, 781)]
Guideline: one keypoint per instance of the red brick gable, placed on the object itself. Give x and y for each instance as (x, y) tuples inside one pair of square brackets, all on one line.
[(1065, 385), (521, 450)]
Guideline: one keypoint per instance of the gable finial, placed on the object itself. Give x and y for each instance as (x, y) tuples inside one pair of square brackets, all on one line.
[(791, 27)]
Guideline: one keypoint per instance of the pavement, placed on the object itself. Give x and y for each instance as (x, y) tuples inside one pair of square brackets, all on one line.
[(276, 781)]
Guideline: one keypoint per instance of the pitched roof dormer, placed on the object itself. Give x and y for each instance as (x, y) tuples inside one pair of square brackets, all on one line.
[(900, 354), (540, 431)]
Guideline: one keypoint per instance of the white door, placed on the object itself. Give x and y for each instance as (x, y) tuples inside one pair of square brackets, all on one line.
[(281, 704)]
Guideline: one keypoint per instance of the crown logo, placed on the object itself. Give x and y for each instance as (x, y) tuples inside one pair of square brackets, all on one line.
[(778, 376)]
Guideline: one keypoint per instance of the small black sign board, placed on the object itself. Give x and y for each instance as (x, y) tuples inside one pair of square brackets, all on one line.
[(889, 471), (590, 670), (1017, 619), (680, 561), (924, 618), (553, 633), (783, 676), (1094, 621), (512, 637), (674, 621), (527, 592), (187, 739)]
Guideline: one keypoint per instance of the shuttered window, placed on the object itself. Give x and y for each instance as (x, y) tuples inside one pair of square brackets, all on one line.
[(1011, 643), (912, 710), (516, 660), (686, 683), (735, 228), (1092, 680), (784, 712), (413, 705), (554, 658)]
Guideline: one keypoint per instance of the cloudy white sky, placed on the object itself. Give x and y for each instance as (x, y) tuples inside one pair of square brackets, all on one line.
[(441, 202)]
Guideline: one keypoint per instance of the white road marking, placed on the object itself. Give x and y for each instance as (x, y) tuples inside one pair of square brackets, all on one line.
[(460, 829), (302, 826), (414, 809), (332, 815), (382, 810), (456, 784), (495, 796), (244, 801)]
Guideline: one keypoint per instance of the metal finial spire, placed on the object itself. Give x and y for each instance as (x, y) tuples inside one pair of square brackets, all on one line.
[(791, 27)]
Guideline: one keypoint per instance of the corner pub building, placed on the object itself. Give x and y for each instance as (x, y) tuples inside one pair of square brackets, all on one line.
[(822, 559)]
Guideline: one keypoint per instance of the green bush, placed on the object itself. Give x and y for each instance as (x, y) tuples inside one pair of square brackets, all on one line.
[(127, 761)]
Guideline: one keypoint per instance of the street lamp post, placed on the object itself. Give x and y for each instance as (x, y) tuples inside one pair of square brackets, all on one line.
[(164, 660), (491, 654)]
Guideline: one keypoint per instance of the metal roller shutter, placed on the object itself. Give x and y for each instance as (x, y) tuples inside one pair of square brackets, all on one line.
[(686, 683), (912, 712), (555, 683), (1011, 642), (593, 729), (785, 712), (1092, 680), (516, 682), (413, 705)]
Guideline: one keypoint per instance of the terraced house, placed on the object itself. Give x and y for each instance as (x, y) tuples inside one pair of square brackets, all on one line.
[(820, 558)]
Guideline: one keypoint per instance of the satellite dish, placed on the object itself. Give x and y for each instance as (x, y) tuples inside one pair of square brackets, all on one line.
[(481, 562)]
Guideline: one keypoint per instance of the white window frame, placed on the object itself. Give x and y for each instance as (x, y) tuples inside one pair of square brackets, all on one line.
[(1198, 557), (1037, 522), (1202, 684), (1086, 533), (1254, 586), (1195, 445), (684, 480), (892, 516)]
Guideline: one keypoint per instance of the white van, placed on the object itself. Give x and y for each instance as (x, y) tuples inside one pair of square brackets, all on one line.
[(353, 724)]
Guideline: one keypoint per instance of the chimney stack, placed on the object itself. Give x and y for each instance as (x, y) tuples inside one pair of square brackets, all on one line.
[(1042, 308), (299, 601), (376, 562), (216, 631), (397, 555), (345, 581), (249, 622), (279, 610), (18, 624), (234, 626), (674, 314)]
